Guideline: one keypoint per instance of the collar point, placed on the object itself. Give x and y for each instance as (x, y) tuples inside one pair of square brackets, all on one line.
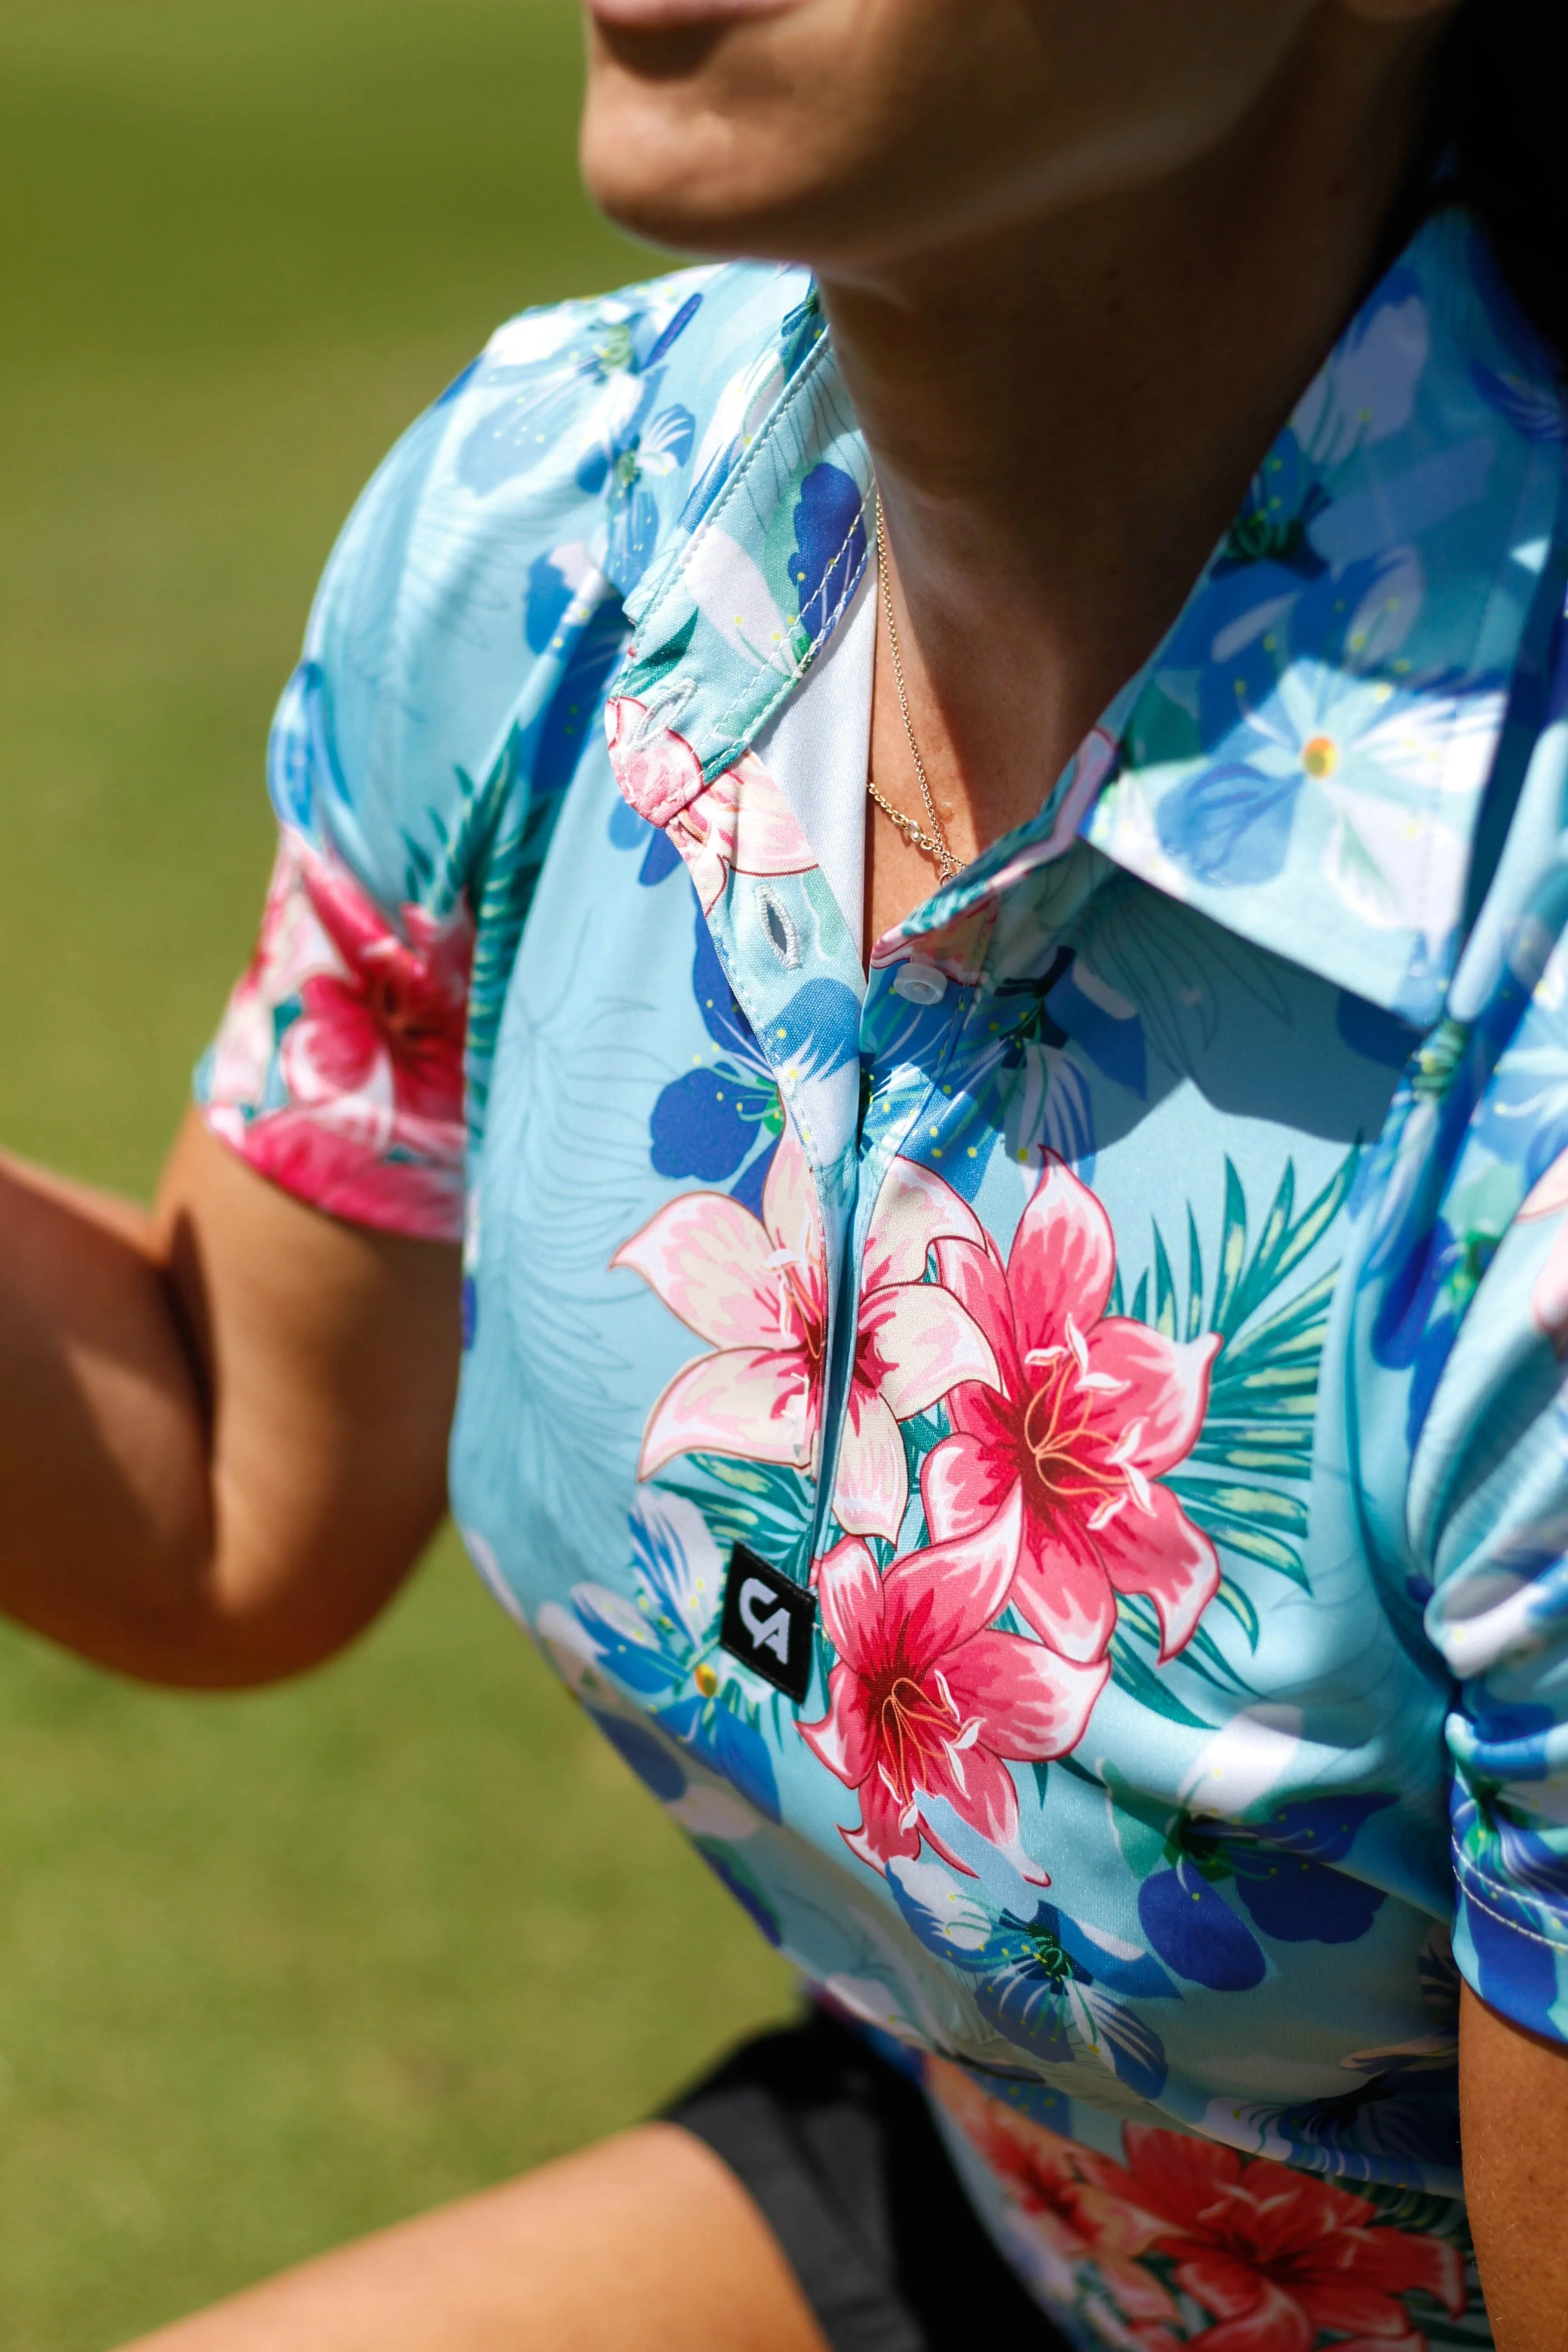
[(657, 771)]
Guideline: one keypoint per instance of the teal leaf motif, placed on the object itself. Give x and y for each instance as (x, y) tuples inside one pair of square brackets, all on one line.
[(1238, 1533), (1130, 1672), (1195, 1278), (1256, 1442), (759, 1504), (1135, 1616), (511, 878), (646, 669), (1231, 1596), (507, 863), (1165, 1291), (1232, 1250), (1245, 1503)]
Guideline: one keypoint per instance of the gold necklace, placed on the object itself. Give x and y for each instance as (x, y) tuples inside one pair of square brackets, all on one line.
[(934, 843)]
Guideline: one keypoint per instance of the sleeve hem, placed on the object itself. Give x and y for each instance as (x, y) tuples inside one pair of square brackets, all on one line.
[(340, 1177), (1508, 1963), (1506, 1920)]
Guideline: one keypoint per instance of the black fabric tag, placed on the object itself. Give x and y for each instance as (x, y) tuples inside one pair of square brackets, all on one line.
[(768, 1622)]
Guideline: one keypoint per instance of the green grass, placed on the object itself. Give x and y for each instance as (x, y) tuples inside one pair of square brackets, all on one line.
[(273, 1969)]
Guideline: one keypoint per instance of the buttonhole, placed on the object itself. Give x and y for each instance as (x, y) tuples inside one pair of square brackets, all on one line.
[(777, 922)]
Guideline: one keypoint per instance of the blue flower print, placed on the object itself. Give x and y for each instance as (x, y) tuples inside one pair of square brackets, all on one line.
[(1231, 825), (1100, 1022), (663, 1649), (1420, 1271), (724, 1115), (1047, 1983), (1274, 524), (630, 830), (1524, 1116), (571, 720), (830, 545), (1420, 1311), (1521, 387), (1279, 1869), (550, 376), (1024, 1091), (1397, 2103), (544, 400), (747, 401), (1400, 2102), (1367, 390), (637, 445)]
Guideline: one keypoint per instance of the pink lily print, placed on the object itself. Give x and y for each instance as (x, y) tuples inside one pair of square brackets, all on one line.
[(913, 1343), (926, 1703), (739, 823), (756, 1289), (1090, 1411)]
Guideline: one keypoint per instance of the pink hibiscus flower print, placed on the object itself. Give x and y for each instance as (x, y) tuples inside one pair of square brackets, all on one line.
[(1275, 2256), (925, 1702), (380, 1041), (1090, 1412), (756, 1290), (1044, 2185), (374, 1127), (289, 945)]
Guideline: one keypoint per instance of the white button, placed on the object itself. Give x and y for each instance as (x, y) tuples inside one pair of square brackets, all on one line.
[(921, 983)]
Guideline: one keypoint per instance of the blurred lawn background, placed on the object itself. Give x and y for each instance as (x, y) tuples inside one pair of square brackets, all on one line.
[(275, 1970)]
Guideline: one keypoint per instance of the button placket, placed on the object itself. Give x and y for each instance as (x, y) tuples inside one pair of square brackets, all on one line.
[(892, 1122)]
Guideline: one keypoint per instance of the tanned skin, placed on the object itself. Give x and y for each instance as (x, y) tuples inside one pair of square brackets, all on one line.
[(1078, 264)]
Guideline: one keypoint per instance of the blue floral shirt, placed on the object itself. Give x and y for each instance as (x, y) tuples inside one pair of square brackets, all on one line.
[(1049, 1459)]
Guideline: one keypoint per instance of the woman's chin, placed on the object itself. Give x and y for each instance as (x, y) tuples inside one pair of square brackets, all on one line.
[(679, 16), (677, 222), (650, 174)]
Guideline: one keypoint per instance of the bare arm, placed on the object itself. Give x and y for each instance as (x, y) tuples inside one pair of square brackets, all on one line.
[(225, 1428), (1513, 2107)]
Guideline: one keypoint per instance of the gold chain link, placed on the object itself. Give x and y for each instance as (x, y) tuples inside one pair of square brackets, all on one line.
[(934, 843)]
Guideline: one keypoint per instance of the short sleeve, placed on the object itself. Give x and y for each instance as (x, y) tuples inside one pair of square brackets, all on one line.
[(467, 605), (337, 1070), (1490, 1492), (467, 624)]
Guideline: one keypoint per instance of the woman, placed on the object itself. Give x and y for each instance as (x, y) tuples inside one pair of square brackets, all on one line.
[(1011, 1113)]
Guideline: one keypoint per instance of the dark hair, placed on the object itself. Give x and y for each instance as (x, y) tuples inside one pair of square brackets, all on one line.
[(1500, 120)]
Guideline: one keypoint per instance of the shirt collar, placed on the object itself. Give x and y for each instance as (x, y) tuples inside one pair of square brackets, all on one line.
[(1304, 759)]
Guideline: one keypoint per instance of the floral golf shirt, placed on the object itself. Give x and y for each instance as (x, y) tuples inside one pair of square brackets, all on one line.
[(1049, 1460)]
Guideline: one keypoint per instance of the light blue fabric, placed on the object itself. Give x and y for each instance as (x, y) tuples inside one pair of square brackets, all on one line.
[(1142, 1300)]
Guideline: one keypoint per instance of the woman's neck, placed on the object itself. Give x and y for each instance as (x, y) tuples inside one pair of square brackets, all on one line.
[(1063, 417)]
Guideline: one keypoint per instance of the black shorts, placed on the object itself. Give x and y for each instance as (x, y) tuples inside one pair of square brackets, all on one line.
[(838, 2150)]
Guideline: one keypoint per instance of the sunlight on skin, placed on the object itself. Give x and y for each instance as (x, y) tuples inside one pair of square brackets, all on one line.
[(1140, 173), (647, 2240), (1513, 2102)]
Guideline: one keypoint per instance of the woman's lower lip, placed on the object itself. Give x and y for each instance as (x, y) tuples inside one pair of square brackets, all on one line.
[(656, 16)]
